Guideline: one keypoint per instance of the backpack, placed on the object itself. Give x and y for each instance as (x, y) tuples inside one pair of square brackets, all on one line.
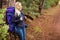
[(9, 10)]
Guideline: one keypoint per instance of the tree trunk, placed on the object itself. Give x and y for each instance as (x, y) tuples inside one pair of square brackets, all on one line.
[(41, 5), (7, 3), (0, 3)]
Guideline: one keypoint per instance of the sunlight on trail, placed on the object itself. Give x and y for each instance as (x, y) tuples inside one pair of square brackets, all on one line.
[(37, 29)]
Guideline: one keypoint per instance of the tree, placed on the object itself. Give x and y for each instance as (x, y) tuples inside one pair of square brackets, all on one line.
[(0, 3), (41, 5), (6, 3)]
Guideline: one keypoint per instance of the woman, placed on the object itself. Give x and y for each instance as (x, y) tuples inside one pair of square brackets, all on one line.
[(20, 27), (15, 19)]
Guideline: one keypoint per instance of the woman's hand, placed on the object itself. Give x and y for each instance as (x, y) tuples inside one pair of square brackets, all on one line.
[(21, 18)]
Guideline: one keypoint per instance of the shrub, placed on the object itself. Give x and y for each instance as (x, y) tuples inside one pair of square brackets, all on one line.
[(3, 32), (50, 3), (3, 27)]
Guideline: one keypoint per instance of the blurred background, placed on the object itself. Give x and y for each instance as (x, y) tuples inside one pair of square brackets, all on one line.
[(42, 19)]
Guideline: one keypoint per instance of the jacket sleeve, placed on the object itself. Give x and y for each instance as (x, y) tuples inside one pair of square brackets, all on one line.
[(14, 20)]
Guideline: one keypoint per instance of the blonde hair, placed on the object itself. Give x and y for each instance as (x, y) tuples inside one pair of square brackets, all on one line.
[(17, 3)]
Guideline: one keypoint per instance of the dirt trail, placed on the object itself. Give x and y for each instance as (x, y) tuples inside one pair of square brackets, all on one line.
[(49, 24), (57, 20)]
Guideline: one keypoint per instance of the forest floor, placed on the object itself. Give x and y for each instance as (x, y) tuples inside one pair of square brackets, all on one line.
[(46, 26)]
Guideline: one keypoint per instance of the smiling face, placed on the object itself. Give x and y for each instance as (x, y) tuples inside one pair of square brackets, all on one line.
[(18, 5)]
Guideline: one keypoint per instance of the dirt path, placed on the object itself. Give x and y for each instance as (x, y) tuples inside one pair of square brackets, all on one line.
[(57, 20), (49, 24)]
